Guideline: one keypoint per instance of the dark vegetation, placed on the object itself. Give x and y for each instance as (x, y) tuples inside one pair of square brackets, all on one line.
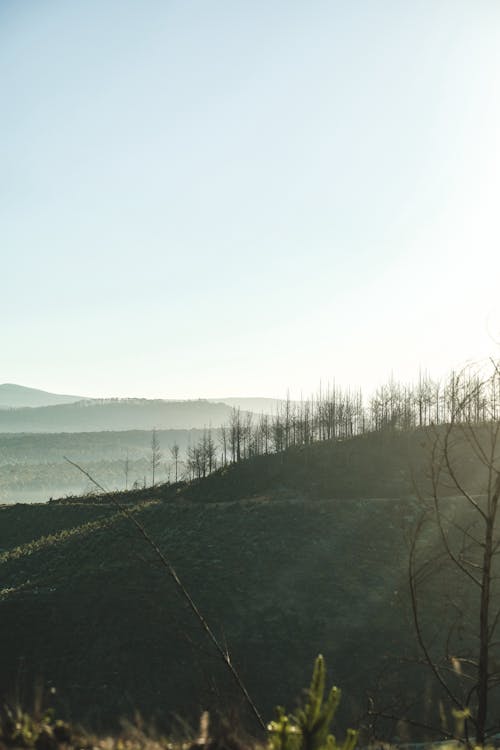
[(365, 466), (282, 561), (85, 607), (309, 728)]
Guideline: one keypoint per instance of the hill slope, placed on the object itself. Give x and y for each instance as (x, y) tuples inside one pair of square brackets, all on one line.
[(287, 556), (14, 396), (91, 611)]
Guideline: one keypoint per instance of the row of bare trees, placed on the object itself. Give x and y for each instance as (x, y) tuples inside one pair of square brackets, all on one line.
[(337, 414)]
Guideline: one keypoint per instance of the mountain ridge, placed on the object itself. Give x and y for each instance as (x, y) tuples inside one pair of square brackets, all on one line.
[(16, 396), (96, 415), (13, 396), (31, 410)]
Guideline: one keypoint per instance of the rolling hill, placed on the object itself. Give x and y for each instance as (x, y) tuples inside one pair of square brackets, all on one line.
[(14, 396), (287, 556), (114, 414), (86, 607)]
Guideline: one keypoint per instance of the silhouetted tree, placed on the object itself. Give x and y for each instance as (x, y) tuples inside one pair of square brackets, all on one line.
[(155, 455), (174, 452), (464, 654), (126, 470), (235, 434)]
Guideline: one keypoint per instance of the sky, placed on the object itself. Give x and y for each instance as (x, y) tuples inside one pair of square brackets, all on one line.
[(203, 199)]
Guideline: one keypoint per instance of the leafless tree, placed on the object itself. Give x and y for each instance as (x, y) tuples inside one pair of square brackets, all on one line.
[(236, 435), (265, 433), (223, 440), (454, 551), (155, 455), (126, 470), (210, 451), (174, 452)]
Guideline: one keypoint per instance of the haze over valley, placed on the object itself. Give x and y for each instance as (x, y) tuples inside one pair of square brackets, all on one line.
[(111, 437)]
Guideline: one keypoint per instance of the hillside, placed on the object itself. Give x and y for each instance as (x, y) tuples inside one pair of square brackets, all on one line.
[(90, 610), (13, 396), (114, 414), (287, 556)]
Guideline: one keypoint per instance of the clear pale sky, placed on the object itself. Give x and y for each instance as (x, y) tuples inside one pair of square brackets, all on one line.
[(203, 199)]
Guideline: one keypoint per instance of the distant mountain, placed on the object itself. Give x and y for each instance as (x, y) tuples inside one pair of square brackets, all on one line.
[(93, 415), (14, 396)]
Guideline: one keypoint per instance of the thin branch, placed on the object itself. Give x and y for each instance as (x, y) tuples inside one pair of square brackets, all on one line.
[(184, 592)]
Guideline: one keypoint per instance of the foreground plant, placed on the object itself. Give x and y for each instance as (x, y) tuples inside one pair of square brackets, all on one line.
[(310, 728), (20, 729)]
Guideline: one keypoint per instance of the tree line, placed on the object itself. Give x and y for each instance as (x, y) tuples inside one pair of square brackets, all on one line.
[(336, 413)]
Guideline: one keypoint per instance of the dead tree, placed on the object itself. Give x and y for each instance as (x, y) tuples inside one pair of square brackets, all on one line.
[(454, 571), (155, 456), (174, 452)]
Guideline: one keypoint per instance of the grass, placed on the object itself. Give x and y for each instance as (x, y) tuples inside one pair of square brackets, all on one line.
[(310, 730), (91, 612)]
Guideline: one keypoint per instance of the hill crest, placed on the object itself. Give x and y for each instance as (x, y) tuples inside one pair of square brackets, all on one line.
[(14, 396)]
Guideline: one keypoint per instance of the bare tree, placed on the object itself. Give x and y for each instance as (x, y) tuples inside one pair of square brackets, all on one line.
[(174, 452), (265, 433), (192, 460), (155, 455), (235, 435), (210, 451), (223, 440), (454, 553), (126, 470)]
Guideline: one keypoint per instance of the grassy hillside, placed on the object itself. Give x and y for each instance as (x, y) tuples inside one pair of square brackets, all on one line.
[(287, 556), (91, 612)]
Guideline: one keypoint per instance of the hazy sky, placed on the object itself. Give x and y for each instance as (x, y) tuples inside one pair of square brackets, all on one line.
[(225, 198)]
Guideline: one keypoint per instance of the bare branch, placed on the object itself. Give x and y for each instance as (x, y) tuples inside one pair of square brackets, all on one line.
[(182, 589)]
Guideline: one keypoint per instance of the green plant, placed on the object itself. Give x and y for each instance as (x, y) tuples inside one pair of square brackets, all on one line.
[(310, 728), (20, 729)]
